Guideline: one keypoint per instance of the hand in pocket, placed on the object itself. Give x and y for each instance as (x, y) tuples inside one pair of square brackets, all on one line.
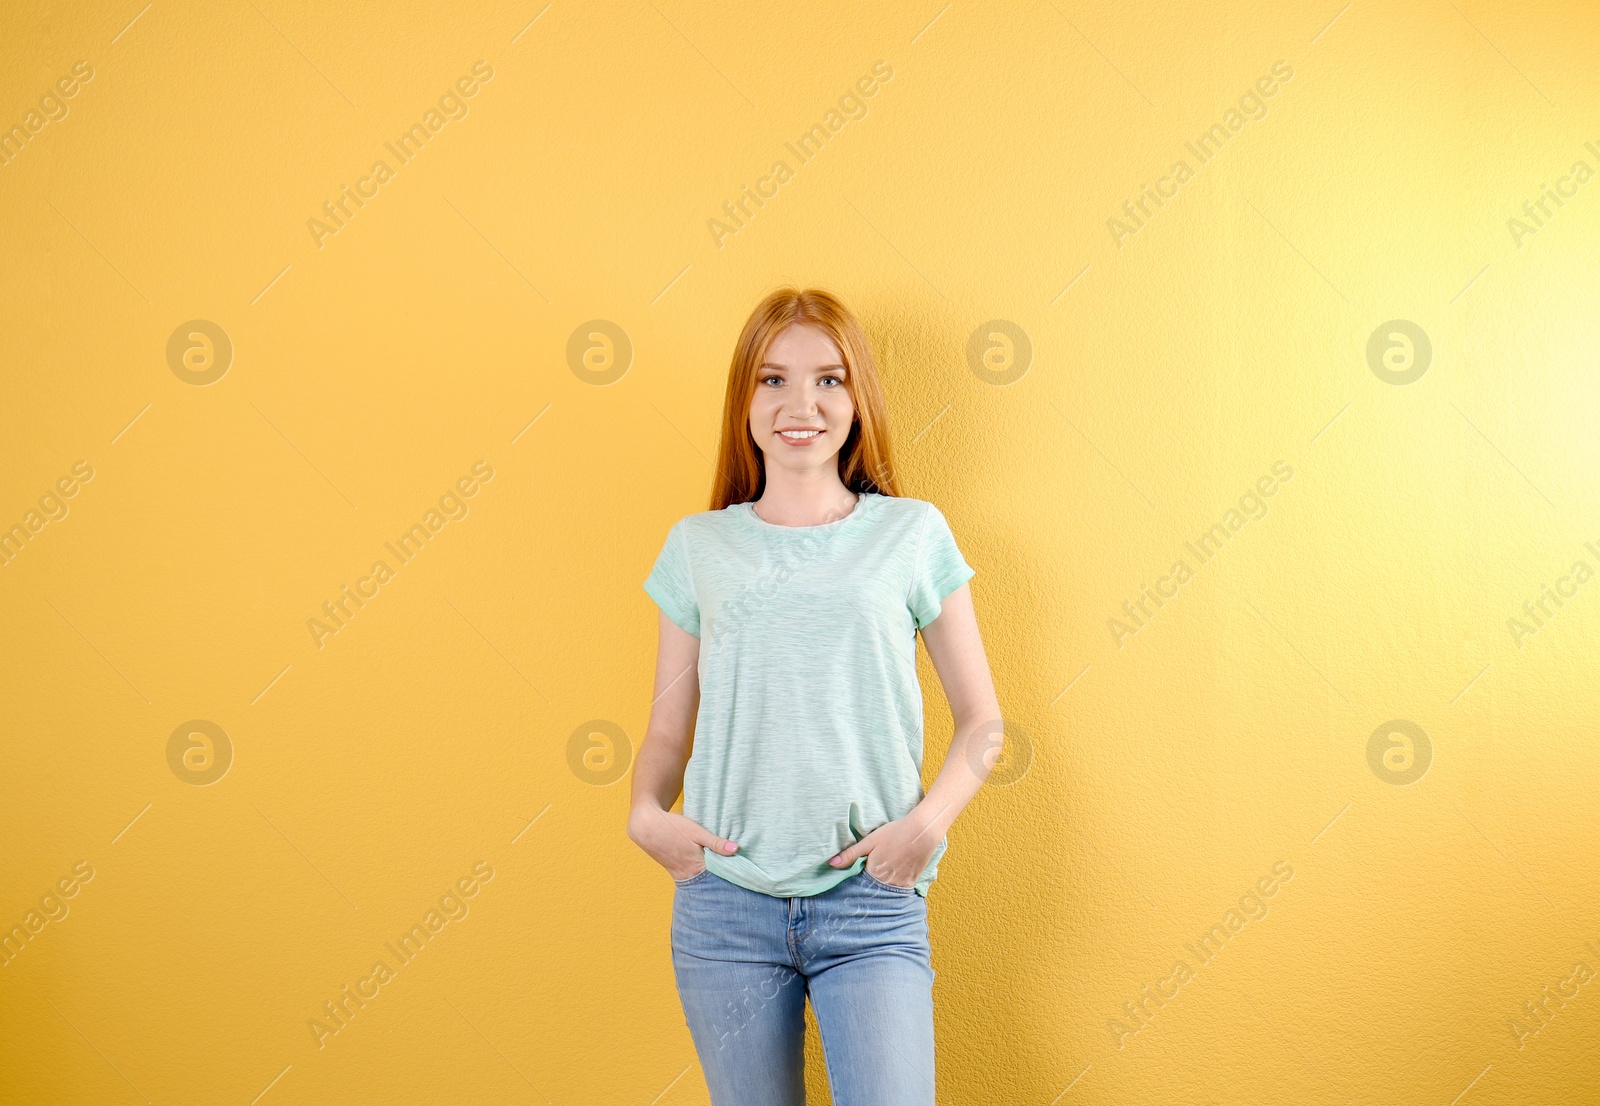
[(675, 842)]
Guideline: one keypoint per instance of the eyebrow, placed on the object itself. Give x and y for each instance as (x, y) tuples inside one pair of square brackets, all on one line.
[(820, 369)]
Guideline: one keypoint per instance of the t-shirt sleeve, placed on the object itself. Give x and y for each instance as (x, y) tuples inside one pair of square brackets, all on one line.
[(671, 584), (940, 569)]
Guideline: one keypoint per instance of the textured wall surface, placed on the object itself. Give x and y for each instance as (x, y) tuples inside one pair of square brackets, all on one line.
[(1250, 350)]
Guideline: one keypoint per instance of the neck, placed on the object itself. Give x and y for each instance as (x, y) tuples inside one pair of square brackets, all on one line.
[(804, 499)]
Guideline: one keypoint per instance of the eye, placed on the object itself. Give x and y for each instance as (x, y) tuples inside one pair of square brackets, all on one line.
[(836, 379), (772, 376)]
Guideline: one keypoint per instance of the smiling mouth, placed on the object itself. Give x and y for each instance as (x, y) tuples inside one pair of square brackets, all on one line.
[(799, 435)]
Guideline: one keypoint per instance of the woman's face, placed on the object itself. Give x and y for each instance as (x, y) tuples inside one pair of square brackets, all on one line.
[(801, 387)]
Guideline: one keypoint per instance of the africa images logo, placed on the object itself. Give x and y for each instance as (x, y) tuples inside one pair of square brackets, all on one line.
[(851, 107), (338, 1012), (1252, 106), (1252, 508), (405, 548), (52, 108), (451, 108)]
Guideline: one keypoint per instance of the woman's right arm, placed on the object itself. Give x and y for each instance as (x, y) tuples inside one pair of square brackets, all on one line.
[(671, 840)]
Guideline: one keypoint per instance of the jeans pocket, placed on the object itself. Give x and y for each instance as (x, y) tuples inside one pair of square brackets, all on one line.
[(694, 879), (876, 882)]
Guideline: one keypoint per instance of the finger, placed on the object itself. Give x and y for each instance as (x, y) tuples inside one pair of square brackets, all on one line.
[(848, 856), (720, 844), (698, 835), (705, 837)]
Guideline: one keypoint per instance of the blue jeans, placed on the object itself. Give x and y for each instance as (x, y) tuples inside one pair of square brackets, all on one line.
[(745, 963)]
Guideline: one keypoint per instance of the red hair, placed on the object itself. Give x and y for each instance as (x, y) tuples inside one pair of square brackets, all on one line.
[(865, 459)]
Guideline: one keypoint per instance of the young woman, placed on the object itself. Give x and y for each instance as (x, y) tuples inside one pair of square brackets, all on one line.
[(787, 663)]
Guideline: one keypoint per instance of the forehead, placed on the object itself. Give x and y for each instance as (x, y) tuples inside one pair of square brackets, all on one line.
[(802, 346)]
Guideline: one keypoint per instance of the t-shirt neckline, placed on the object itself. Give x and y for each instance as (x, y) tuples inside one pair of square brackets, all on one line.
[(748, 510)]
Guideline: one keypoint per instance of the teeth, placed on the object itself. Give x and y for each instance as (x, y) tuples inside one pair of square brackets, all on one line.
[(799, 433)]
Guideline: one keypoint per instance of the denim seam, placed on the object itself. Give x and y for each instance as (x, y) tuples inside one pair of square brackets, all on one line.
[(793, 937)]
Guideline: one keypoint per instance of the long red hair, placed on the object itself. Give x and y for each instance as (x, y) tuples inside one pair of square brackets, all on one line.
[(865, 460)]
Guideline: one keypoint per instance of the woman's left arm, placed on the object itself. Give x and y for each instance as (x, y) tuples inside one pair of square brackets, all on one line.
[(902, 848)]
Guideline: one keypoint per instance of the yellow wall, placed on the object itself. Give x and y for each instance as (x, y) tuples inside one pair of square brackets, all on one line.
[(1172, 365)]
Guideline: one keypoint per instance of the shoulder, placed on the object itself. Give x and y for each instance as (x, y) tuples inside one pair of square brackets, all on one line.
[(903, 520), (905, 507), (704, 524), (915, 514)]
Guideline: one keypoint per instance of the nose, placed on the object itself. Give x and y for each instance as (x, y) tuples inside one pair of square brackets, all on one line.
[(804, 402)]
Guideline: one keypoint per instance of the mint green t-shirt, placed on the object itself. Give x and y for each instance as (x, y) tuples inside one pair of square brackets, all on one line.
[(809, 733)]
